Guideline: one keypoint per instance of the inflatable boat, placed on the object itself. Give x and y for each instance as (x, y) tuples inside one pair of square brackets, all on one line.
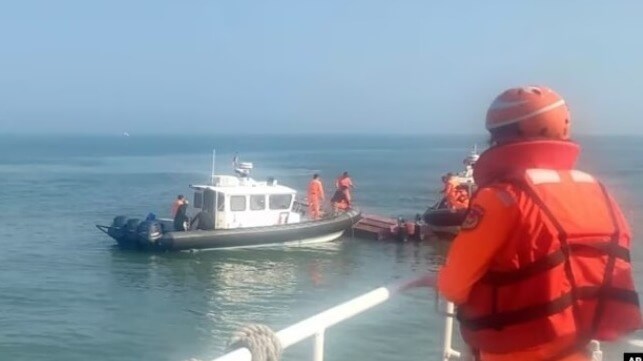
[(442, 220), (244, 213)]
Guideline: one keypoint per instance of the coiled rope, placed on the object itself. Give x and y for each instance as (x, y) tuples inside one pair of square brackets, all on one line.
[(261, 340)]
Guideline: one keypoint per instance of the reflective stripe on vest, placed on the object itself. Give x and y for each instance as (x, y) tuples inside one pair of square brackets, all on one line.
[(541, 176), (481, 328)]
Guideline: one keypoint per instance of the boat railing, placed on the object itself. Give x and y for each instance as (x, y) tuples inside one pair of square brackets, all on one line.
[(317, 325), (299, 206)]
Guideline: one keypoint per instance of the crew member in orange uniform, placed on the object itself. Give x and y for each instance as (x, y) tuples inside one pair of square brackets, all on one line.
[(344, 184), (315, 196), (462, 196), (542, 263), (453, 194)]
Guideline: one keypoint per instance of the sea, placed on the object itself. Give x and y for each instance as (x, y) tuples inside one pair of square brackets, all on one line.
[(67, 293)]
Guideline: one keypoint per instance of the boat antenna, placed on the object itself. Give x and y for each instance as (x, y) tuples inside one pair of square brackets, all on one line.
[(214, 155)]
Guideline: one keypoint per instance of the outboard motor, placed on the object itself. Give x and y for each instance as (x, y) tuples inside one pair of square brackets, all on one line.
[(149, 231), (116, 230), (419, 235), (130, 229), (402, 231)]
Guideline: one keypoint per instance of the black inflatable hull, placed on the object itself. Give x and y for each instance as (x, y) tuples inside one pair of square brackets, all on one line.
[(444, 222), (445, 217), (288, 234)]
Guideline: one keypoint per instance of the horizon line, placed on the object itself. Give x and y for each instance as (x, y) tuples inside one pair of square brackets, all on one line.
[(294, 134)]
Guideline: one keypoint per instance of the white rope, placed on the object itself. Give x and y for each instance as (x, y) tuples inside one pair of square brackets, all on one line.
[(263, 343), (595, 349)]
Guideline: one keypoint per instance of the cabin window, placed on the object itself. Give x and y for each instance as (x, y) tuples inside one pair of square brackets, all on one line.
[(280, 201), (208, 200), (220, 202), (237, 203), (257, 202), (198, 199)]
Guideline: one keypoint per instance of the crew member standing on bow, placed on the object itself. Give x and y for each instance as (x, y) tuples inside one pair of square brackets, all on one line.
[(344, 184), (315, 197), (542, 263)]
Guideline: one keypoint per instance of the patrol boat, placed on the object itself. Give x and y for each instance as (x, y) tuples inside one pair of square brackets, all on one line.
[(442, 220), (246, 214)]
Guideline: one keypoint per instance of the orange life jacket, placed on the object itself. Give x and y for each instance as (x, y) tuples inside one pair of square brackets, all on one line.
[(455, 197), (343, 183), (462, 197), (565, 271), (175, 207)]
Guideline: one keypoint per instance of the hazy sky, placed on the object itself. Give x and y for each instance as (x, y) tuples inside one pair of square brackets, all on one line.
[(311, 66)]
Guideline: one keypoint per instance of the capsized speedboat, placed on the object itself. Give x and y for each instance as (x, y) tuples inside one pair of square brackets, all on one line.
[(443, 220), (246, 214)]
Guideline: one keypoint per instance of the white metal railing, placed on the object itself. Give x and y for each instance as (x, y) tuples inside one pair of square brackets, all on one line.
[(447, 350), (316, 325)]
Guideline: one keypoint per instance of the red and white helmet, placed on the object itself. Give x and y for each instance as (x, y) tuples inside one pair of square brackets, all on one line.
[(536, 111)]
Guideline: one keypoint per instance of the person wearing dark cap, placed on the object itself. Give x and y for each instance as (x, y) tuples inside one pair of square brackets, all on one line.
[(181, 219), (177, 203)]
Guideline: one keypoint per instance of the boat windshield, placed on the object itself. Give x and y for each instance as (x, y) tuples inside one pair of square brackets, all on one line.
[(280, 201)]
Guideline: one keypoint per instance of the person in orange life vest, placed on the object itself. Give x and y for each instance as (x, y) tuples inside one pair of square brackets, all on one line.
[(315, 197), (344, 184), (462, 196), (541, 265), (176, 204), (452, 193), (339, 201)]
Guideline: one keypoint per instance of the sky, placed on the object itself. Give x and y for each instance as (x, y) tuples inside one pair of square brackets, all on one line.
[(328, 66)]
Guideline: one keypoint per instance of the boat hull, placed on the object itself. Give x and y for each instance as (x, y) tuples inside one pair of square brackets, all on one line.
[(298, 234), (444, 221)]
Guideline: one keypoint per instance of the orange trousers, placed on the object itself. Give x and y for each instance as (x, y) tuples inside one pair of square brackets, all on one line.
[(314, 209)]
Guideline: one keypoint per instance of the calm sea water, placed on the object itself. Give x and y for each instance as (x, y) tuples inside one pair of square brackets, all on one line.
[(67, 294)]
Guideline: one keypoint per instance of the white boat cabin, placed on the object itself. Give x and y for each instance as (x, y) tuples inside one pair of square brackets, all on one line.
[(466, 177), (241, 202)]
